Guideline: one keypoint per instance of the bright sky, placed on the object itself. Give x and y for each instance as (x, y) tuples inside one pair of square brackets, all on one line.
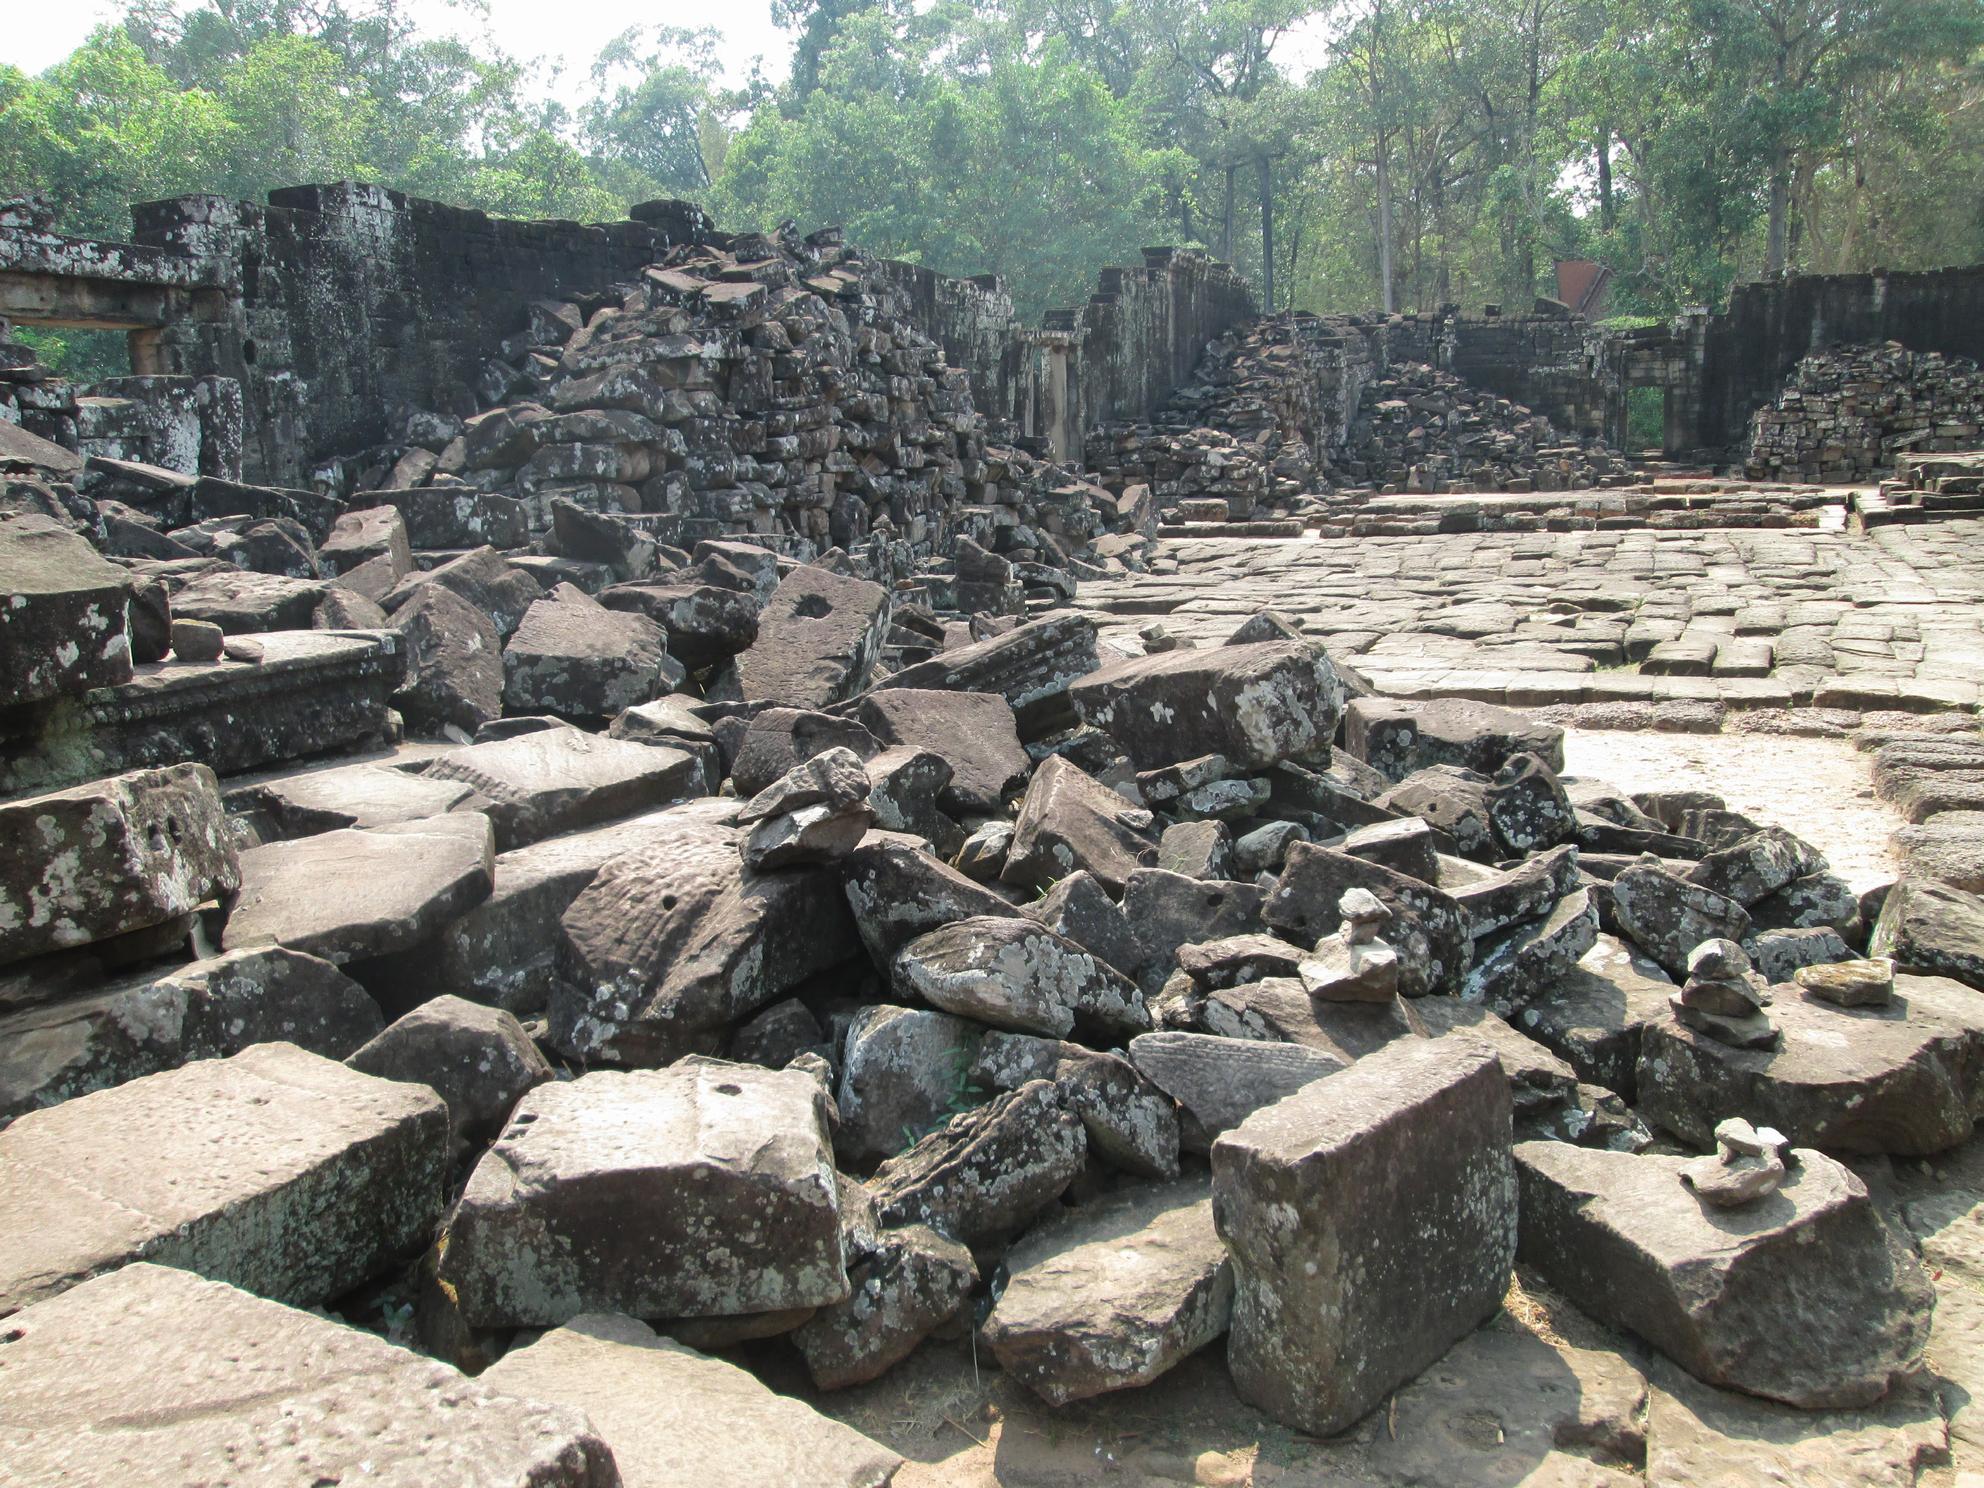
[(568, 35)]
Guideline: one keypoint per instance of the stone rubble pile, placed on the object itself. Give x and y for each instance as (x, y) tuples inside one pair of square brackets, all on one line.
[(760, 386), (750, 956), (1849, 413), (1287, 409)]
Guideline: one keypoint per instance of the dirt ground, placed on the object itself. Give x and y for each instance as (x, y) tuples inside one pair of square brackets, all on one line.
[(1819, 788)]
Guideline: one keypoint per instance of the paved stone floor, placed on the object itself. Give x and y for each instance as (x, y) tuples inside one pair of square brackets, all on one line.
[(1752, 618)]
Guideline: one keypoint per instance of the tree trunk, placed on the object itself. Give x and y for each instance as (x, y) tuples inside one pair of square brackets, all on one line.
[(1607, 217), (1386, 291), (1267, 235), (1780, 212), (1226, 220)]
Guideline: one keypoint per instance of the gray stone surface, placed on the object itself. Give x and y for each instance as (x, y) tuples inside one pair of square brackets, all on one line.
[(1332, 1306), (719, 1179), (1015, 973), (94, 861), (64, 626), (276, 1170), (1803, 1297), (478, 1059), (154, 1375), (1114, 1293), (675, 1418), (355, 894)]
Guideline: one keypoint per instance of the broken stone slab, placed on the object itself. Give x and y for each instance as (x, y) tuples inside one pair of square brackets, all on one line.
[(1539, 1082), (904, 784), (1453, 801), (154, 1021), (574, 657), (282, 697), (1014, 973), (1781, 954), (1931, 929), (1281, 1009), (1196, 849), (675, 1418), (1803, 1297), (898, 891), (352, 895), (706, 625), (1256, 705), (1080, 909), (454, 663), (985, 1174), (720, 1179), (1219, 1082), (1514, 968), (1667, 917), (1397, 738), (1756, 866), (1429, 929), (819, 637), (1408, 845), (1030, 666), (1233, 959), (243, 603), (1331, 1308), (1131, 1123), (153, 1374), (330, 798), (556, 780), (1527, 808), (834, 777), (903, 1072), (904, 1283), (1113, 1293), (1169, 911), (478, 1059), (199, 1167), (778, 739), (660, 954), (490, 585), (360, 536), (64, 625), (99, 860), (1525, 892), (505, 951), (1593, 1015), (1902, 1079), (1849, 984), (1069, 821), (975, 733)]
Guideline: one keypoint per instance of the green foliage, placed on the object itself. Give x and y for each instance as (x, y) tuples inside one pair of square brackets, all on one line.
[(1426, 152)]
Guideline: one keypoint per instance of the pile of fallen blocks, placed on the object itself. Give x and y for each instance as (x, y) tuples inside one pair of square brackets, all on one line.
[(740, 955), (1849, 414)]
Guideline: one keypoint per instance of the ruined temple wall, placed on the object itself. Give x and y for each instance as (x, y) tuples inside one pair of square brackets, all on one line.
[(350, 303), (1750, 350)]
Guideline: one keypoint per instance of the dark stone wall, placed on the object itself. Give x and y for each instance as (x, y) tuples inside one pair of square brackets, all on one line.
[(1749, 350), (349, 304)]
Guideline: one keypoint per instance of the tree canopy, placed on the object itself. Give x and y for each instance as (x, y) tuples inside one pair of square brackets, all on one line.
[(1345, 154)]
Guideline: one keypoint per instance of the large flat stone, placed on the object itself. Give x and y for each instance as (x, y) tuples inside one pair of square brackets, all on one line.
[(1932, 928), (1256, 705), (158, 1021), (1219, 1082), (1112, 1294), (1802, 1296), (1594, 1014), (1338, 1303), (331, 798), (1011, 972), (124, 854), (1903, 1079), (275, 1170), (1069, 821), (678, 1419), (898, 891), (353, 895), (555, 780), (702, 1190), (153, 1375), (973, 731), (574, 657)]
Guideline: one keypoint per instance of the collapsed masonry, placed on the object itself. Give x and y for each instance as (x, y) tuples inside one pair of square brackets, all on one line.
[(1847, 415), (576, 942)]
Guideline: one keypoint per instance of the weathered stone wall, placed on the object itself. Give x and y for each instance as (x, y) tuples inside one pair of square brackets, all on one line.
[(1751, 349), (350, 303), (1117, 357)]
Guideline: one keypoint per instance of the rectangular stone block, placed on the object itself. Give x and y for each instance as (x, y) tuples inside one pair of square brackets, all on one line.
[(1372, 1222), (63, 614), (277, 1171), (82, 865), (705, 1189), (153, 1375)]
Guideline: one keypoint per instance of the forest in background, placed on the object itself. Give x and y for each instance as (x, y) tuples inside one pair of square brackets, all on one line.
[(1437, 151)]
